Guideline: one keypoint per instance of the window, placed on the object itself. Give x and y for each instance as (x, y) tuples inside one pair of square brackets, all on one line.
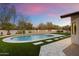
[(73, 28)]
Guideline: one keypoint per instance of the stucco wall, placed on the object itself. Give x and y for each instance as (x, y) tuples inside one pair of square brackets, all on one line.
[(27, 31), (75, 37)]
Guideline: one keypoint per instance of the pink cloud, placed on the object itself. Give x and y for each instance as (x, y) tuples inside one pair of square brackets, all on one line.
[(36, 9), (33, 9)]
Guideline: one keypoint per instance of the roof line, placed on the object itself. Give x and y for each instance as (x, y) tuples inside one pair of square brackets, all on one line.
[(70, 14)]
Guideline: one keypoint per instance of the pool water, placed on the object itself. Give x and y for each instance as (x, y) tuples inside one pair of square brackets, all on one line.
[(31, 38)]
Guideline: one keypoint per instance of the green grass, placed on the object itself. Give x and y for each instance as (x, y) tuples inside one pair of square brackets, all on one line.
[(51, 41), (62, 33), (18, 49), (23, 49)]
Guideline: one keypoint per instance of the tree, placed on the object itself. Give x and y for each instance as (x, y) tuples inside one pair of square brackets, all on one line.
[(49, 26), (22, 24), (29, 26), (42, 26), (13, 12), (8, 27), (7, 12), (67, 28)]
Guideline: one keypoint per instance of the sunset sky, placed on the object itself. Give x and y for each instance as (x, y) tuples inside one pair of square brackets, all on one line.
[(42, 13)]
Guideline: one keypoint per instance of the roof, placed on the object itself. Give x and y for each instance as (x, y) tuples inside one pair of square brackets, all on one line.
[(70, 14)]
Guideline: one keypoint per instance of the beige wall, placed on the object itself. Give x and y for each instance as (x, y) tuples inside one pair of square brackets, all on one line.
[(75, 37), (27, 31)]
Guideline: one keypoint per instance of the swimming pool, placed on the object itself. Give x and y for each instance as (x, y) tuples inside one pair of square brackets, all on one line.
[(30, 38)]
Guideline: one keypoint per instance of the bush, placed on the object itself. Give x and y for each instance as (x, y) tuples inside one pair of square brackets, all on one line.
[(30, 32), (19, 32), (1, 33)]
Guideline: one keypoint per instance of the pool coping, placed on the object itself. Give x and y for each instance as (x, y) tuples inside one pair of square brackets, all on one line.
[(7, 39)]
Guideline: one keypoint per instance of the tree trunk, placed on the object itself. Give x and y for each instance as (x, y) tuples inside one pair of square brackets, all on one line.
[(8, 32), (24, 32)]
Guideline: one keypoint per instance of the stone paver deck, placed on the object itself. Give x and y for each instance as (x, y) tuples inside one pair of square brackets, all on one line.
[(55, 48), (38, 43)]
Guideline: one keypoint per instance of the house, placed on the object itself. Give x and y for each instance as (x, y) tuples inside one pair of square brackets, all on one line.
[(74, 26)]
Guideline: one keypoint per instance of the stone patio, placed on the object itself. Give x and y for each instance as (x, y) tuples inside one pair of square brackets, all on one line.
[(55, 48)]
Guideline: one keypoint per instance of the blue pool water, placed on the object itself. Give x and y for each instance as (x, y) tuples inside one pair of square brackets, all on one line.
[(31, 38)]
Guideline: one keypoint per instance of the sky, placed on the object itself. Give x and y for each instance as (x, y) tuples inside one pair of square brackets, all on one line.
[(47, 12)]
